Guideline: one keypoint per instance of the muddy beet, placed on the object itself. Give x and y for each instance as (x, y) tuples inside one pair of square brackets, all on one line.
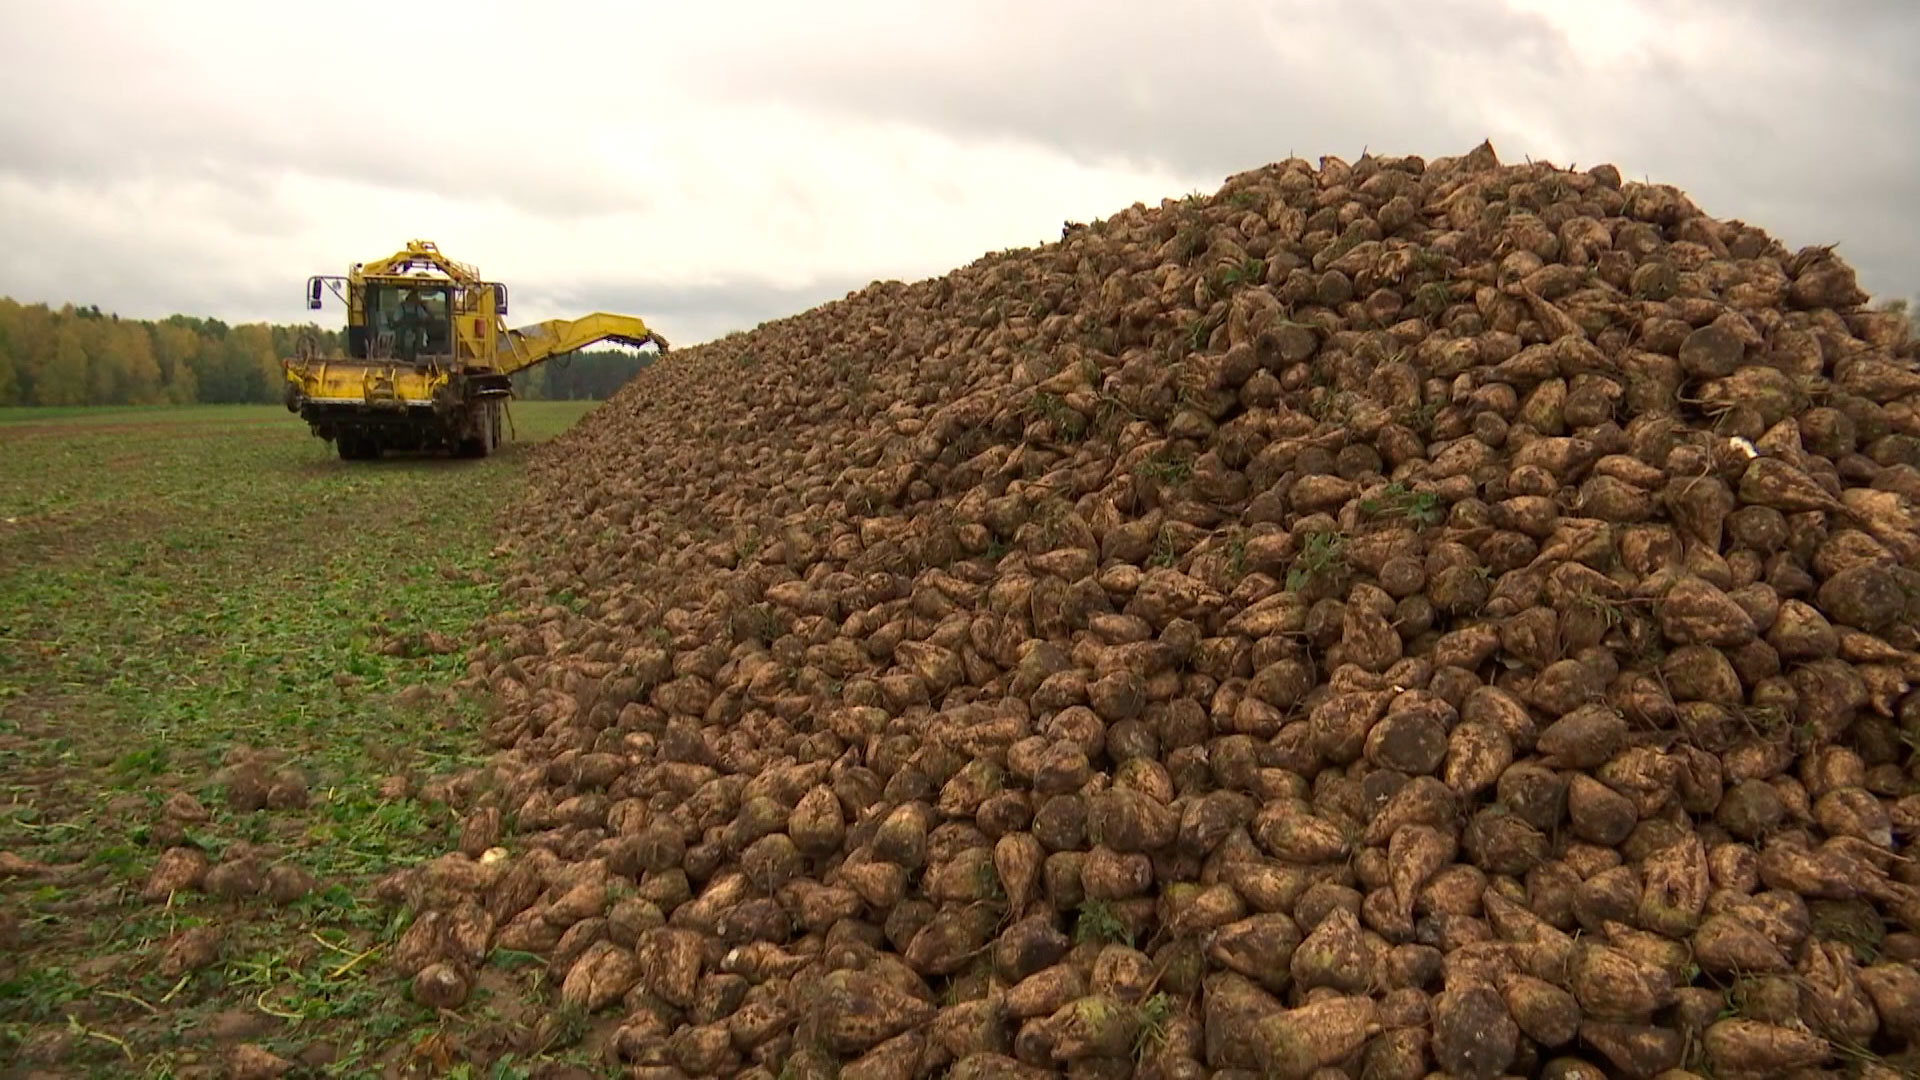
[(1388, 617), (440, 986), (190, 950)]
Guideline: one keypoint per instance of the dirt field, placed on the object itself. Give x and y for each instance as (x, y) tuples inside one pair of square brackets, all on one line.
[(196, 604)]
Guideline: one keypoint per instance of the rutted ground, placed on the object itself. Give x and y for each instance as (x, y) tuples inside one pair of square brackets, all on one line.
[(215, 634)]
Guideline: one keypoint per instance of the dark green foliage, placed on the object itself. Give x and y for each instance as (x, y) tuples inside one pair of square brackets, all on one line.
[(585, 376)]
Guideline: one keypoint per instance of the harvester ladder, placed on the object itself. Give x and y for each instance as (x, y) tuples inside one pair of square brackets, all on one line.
[(378, 386)]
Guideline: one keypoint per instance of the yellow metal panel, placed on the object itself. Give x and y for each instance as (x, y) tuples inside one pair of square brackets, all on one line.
[(347, 382)]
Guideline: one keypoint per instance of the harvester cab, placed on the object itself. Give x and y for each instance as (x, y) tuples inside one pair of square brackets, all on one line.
[(429, 360), (417, 322)]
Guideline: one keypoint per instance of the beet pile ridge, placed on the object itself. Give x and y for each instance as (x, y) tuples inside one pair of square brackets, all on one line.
[(1382, 618)]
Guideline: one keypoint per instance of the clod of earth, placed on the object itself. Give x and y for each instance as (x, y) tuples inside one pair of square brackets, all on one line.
[(1384, 617), (13, 866), (288, 791)]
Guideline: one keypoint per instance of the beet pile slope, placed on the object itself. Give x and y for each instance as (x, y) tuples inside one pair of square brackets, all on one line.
[(1381, 618)]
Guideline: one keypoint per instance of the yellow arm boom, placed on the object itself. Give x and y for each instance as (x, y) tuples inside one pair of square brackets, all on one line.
[(529, 345)]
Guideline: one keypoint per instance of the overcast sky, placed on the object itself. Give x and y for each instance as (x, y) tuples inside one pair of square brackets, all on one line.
[(708, 169)]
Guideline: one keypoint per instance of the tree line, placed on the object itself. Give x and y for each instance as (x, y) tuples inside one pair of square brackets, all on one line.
[(82, 356), (74, 355), (584, 376)]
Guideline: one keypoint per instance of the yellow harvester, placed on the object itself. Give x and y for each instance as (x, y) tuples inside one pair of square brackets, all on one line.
[(429, 358)]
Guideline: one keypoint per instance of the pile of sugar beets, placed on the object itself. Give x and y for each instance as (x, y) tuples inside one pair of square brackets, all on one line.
[(1390, 619)]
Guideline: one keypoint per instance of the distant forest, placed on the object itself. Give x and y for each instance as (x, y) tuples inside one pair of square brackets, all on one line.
[(81, 356), (585, 376)]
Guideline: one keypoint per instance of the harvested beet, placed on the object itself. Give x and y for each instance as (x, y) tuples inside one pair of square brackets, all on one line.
[(190, 950), (1387, 617), (1473, 1034), (176, 870), (1543, 1012), (1294, 1043), (440, 986), (1737, 1046)]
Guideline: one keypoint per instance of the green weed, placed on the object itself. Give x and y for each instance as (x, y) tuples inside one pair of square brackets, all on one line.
[(1250, 271), (1324, 554), (1097, 922), (1067, 422), (1165, 466), (1396, 500), (1153, 1014), (1165, 554), (1200, 330)]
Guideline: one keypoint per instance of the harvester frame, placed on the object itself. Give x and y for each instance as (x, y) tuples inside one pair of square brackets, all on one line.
[(429, 360)]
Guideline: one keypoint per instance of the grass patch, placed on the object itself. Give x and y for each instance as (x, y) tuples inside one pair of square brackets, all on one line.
[(177, 585)]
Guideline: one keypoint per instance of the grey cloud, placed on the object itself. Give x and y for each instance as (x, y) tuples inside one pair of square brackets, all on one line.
[(138, 278), (244, 163), (1207, 91), (689, 314), (1797, 117), (66, 125), (140, 275)]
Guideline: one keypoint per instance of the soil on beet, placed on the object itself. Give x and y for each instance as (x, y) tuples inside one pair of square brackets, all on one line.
[(1382, 617), (215, 636)]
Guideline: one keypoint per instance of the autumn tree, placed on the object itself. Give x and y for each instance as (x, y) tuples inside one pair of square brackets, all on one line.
[(79, 355), (63, 378), (175, 350)]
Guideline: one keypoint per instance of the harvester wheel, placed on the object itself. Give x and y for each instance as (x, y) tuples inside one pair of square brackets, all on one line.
[(486, 437)]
